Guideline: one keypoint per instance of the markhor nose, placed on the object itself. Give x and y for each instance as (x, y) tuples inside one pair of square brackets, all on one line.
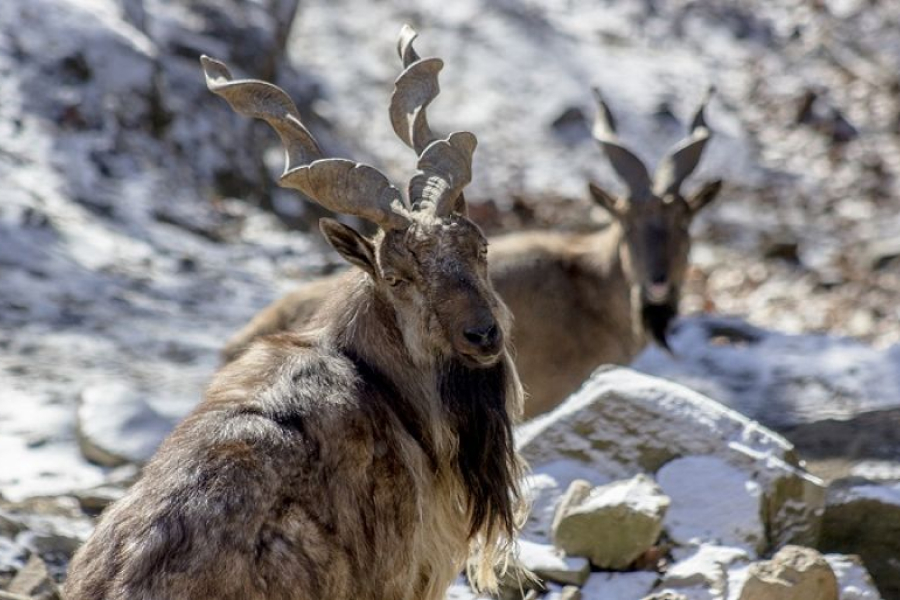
[(485, 337)]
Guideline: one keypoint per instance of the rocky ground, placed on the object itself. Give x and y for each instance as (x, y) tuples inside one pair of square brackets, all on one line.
[(139, 227)]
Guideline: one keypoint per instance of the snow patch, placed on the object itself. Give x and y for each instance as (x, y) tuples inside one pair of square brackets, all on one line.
[(712, 501)]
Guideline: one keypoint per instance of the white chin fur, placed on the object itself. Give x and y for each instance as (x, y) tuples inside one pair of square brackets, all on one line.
[(658, 292)]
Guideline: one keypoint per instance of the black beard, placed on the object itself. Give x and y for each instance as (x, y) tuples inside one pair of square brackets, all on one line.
[(656, 319), (475, 399)]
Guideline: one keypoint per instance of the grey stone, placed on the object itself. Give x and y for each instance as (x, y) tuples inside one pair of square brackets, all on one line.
[(117, 426), (863, 518), (34, 581), (550, 564), (614, 524), (794, 573)]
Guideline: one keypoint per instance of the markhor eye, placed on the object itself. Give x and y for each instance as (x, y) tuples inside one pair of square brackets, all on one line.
[(392, 280)]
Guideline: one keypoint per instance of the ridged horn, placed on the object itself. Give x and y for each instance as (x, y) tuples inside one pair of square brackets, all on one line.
[(340, 185), (444, 169), (414, 90)]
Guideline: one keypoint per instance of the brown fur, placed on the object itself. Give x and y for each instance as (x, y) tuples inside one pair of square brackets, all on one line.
[(367, 456), (326, 464), (578, 300)]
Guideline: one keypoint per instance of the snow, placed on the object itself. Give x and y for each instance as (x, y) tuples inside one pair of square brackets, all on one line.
[(460, 590), (705, 572), (116, 421), (854, 581), (12, 556), (97, 285), (618, 586), (640, 494), (545, 558), (780, 380), (712, 501), (884, 493), (876, 470)]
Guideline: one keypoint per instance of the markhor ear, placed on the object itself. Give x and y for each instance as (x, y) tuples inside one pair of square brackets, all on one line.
[(356, 249), (615, 206), (704, 196)]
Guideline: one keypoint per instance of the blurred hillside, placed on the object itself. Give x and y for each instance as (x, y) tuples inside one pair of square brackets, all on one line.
[(140, 226), (806, 122)]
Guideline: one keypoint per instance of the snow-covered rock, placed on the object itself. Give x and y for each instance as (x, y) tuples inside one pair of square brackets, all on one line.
[(705, 572), (863, 518), (550, 564), (854, 580), (612, 524), (116, 425), (621, 423), (794, 573)]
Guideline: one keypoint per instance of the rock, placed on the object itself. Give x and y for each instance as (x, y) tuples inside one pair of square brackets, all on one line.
[(570, 592), (622, 422), (618, 586), (34, 581), (12, 559), (52, 528), (882, 253), (864, 518), (729, 516), (667, 595), (706, 570), (53, 546), (117, 426), (550, 564), (94, 500), (614, 524), (854, 580), (794, 573)]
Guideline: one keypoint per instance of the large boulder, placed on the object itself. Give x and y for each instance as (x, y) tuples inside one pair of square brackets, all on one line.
[(621, 423), (863, 518)]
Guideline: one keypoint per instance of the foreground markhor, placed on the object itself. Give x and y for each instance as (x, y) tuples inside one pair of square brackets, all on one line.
[(363, 458)]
